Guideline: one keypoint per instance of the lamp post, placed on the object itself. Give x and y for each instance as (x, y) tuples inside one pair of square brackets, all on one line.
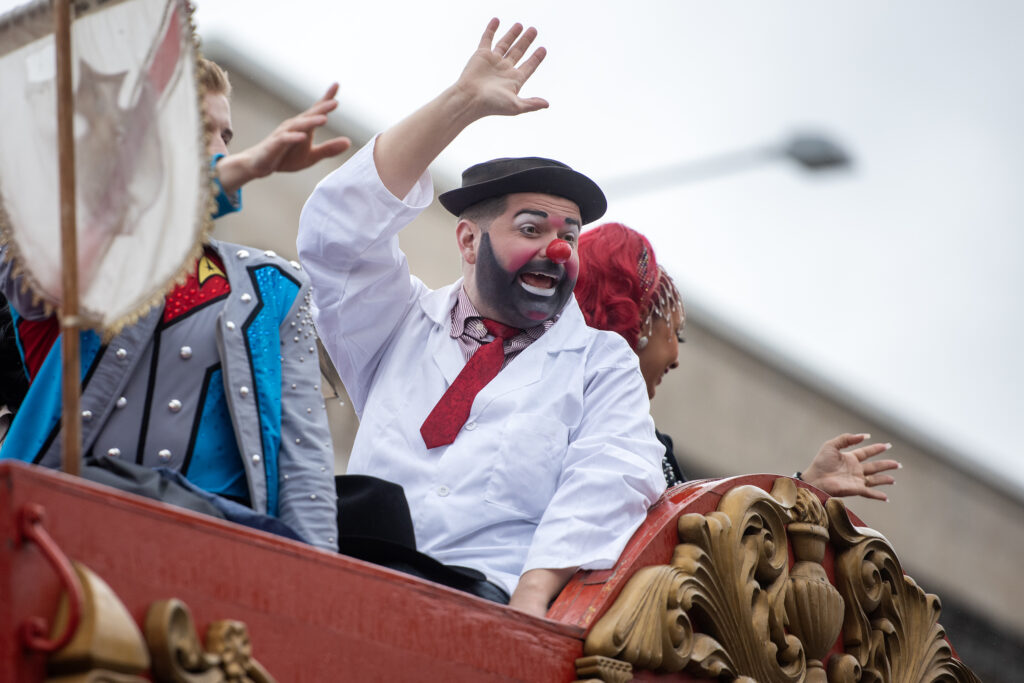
[(811, 152)]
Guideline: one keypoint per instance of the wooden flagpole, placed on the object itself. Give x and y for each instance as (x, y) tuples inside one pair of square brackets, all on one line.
[(71, 442)]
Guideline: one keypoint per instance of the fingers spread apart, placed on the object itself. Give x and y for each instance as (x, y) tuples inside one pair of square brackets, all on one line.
[(330, 148), (873, 494), (846, 440), (876, 466), (503, 45), (522, 45), (531, 64), (866, 452), (513, 45)]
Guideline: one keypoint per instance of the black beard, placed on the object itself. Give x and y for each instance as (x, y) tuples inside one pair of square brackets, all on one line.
[(503, 293)]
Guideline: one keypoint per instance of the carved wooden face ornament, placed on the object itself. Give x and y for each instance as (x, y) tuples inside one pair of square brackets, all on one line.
[(526, 263)]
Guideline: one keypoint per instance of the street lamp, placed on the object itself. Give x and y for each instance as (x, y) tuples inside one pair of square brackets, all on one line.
[(811, 152)]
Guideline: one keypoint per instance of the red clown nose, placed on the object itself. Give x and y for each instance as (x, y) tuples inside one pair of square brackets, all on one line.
[(559, 251)]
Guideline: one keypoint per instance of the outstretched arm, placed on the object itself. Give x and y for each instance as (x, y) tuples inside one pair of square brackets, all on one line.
[(489, 84), (537, 588), (850, 473), (288, 148)]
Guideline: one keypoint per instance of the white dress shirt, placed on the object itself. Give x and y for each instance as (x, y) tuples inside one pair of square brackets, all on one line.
[(557, 463)]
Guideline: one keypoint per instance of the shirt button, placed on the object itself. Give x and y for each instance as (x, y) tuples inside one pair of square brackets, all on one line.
[(443, 491), (470, 426)]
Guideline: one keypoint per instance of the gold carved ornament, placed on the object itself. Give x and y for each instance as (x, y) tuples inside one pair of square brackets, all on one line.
[(891, 628), (179, 657), (729, 605), (108, 647)]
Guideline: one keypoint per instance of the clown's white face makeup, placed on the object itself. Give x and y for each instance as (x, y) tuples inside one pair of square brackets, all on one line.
[(512, 278)]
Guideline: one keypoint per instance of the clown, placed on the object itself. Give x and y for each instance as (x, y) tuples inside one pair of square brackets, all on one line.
[(518, 246), (521, 437)]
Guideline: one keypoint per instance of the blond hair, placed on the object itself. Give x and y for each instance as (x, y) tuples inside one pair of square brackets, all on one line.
[(212, 78)]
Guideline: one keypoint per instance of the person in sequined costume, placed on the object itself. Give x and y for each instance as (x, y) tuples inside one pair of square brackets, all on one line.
[(221, 381)]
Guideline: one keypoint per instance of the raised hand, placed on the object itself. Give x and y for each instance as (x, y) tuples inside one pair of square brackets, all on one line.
[(850, 473), (489, 84), (288, 148), (492, 80)]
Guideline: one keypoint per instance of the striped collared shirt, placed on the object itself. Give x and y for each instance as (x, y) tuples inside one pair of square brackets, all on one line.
[(468, 328)]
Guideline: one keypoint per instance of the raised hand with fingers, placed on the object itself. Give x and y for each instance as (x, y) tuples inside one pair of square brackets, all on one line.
[(488, 85), (294, 149), (492, 80), (850, 473), (288, 148)]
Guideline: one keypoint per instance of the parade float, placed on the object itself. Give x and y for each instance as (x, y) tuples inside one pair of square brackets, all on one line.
[(753, 578)]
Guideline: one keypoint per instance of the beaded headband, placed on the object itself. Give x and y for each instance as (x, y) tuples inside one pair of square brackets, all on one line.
[(665, 302), (643, 271)]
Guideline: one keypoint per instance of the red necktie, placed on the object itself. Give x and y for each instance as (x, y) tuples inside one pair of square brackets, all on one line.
[(451, 412)]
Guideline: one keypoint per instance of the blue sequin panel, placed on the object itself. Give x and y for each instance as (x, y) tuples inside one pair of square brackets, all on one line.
[(41, 408), (216, 465), (276, 293)]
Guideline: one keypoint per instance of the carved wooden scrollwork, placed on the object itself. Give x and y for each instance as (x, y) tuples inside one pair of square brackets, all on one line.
[(814, 608), (178, 656), (891, 627), (719, 607), (649, 628), (730, 605), (599, 669)]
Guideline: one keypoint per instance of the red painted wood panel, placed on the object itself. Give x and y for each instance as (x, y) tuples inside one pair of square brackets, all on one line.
[(312, 615)]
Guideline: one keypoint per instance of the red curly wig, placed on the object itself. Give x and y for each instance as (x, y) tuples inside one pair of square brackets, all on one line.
[(618, 280)]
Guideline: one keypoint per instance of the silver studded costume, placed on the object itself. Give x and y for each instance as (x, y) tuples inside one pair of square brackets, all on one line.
[(225, 383)]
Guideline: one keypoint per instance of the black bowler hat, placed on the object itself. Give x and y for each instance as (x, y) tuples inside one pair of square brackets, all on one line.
[(498, 177), (374, 524)]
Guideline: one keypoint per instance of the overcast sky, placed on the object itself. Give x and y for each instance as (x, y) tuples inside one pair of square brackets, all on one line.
[(896, 281)]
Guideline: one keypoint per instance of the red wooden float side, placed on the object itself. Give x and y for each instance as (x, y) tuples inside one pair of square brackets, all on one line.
[(312, 615)]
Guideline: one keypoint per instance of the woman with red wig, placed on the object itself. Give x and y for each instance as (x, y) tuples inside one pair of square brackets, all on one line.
[(621, 288)]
